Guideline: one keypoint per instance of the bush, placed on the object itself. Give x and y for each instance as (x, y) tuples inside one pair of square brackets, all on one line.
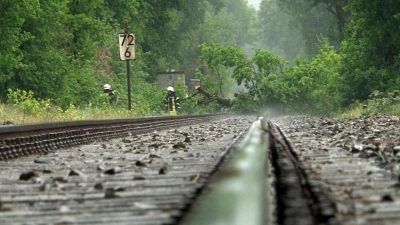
[(25, 101), (147, 99), (377, 103), (310, 87), (380, 102)]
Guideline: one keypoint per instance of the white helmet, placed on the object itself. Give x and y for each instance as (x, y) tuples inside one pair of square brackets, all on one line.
[(170, 89), (107, 87)]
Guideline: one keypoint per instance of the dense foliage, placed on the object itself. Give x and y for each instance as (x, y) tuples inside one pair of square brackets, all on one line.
[(311, 86), (372, 51), (314, 56), (367, 60), (295, 28), (65, 50)]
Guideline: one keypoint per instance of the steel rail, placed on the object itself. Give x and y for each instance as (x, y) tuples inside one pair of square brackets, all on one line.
[(17, 141), (237, 194), (141, 193), (299, 200), (349, 183)]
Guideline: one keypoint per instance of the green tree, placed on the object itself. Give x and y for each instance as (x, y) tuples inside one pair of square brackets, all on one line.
[(13, 17), (46, 53), (317, 19), (371, 51), (248, 73), (90, 31), (65, 50), (234, 18), (337, 9), (219, 58), (278, 31), (311, 86)]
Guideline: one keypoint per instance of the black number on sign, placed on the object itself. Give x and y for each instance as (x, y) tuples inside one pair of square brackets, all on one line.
[(123, 40), (127, 53), (131, 39)]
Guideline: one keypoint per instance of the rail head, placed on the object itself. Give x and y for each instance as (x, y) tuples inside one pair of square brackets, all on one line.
[(238, 195)]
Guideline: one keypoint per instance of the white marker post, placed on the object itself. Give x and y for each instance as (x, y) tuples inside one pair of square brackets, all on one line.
[(127, 53)]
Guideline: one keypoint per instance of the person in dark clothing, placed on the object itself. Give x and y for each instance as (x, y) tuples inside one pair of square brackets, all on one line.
[(112, 95), (171, 101)]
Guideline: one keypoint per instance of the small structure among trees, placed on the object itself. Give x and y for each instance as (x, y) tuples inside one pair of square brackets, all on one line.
[(171, 78)]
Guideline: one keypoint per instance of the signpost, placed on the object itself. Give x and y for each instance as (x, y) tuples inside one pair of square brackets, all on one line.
[(127, 46), (127, 53)]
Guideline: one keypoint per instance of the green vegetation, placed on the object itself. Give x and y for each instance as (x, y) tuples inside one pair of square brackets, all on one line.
[(307, 56), (312, 86), (377, 103), (372, 51), (369, 51), (23, 107)]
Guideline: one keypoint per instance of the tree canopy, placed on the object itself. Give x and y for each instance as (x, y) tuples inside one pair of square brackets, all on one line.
[(289, 52)]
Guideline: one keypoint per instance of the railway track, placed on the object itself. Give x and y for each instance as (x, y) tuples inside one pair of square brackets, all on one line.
[(149, 175), (336, 172), (299, 198), (215, 171), (17, 141)]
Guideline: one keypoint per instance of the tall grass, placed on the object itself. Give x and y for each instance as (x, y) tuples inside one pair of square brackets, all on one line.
[(378, 103), (14, 115), (23, 108)]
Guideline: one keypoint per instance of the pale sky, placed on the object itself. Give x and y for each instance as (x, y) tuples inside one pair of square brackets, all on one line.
[(255, 3)]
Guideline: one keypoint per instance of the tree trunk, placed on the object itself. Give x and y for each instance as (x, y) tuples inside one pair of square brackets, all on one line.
[(222, 101)]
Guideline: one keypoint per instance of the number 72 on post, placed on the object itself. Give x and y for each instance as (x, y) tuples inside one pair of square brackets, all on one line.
[(127, 46)]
